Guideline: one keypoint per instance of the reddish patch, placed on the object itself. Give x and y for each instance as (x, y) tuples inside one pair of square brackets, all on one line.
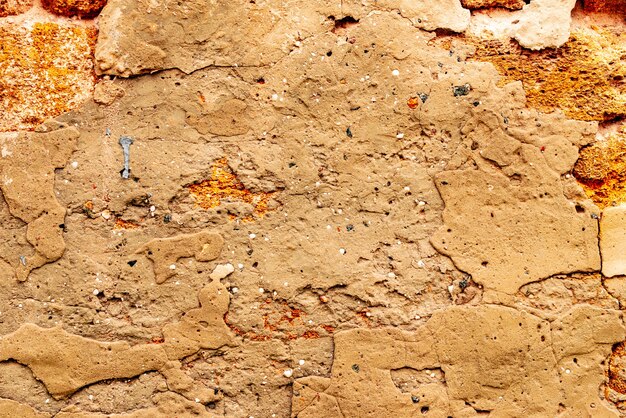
[(85, 9), (413, 102)]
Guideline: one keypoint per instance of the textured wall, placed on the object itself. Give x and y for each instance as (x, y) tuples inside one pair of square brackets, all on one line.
[(290, 208)]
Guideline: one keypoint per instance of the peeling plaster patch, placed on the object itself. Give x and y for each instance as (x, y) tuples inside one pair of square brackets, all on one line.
[(66, 362), (613, 241), (493, 358), (583, 78), (540, 24), (515, 191), (28, 167), (165, 252)]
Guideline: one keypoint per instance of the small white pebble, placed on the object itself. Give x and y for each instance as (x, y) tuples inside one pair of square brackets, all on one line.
[(368, 314), (288, 373), (75, 164), (106, 214), (421, 264), (451, 288), (261, 290), (568, 371), (152, 208), (172, 266), (47, 400), (399, 135), (197, 400), (301, 362), (342, 251), (391, 275), (252, 236), (286, 284), (395, 73), (221, 270), (240, 266), (417, 317), (90, 397), (95, 292), (234, 290), (407, 189), (274, 96)]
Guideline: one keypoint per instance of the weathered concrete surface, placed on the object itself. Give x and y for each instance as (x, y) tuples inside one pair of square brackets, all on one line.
[(356, 208)]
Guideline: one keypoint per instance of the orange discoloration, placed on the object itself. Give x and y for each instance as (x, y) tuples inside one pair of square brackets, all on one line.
[(413, 102), (585, 78), (605, 6), (279, 322), (224, 185), (617, 370), (71, 8), (44, 71), (14, 7), (601, 170), (328, 328), (122, 224), (309, 335)]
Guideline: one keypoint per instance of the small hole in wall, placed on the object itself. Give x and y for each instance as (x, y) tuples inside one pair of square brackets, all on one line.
[(343, 23), (424, 410), (580, 209)]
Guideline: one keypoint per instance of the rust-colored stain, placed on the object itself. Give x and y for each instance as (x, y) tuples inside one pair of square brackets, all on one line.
[(281, 322), (122, 224), (584, 77), (224, 185), (328, 328), (71, 8), (617, 369), (605, 6), (14, 7), (44, 71), (601, 170)]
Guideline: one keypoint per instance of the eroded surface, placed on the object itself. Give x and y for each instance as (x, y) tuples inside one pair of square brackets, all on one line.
[(46, 65), (334, 209)]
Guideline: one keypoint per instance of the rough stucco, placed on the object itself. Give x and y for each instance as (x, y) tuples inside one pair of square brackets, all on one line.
[(327, 209)]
